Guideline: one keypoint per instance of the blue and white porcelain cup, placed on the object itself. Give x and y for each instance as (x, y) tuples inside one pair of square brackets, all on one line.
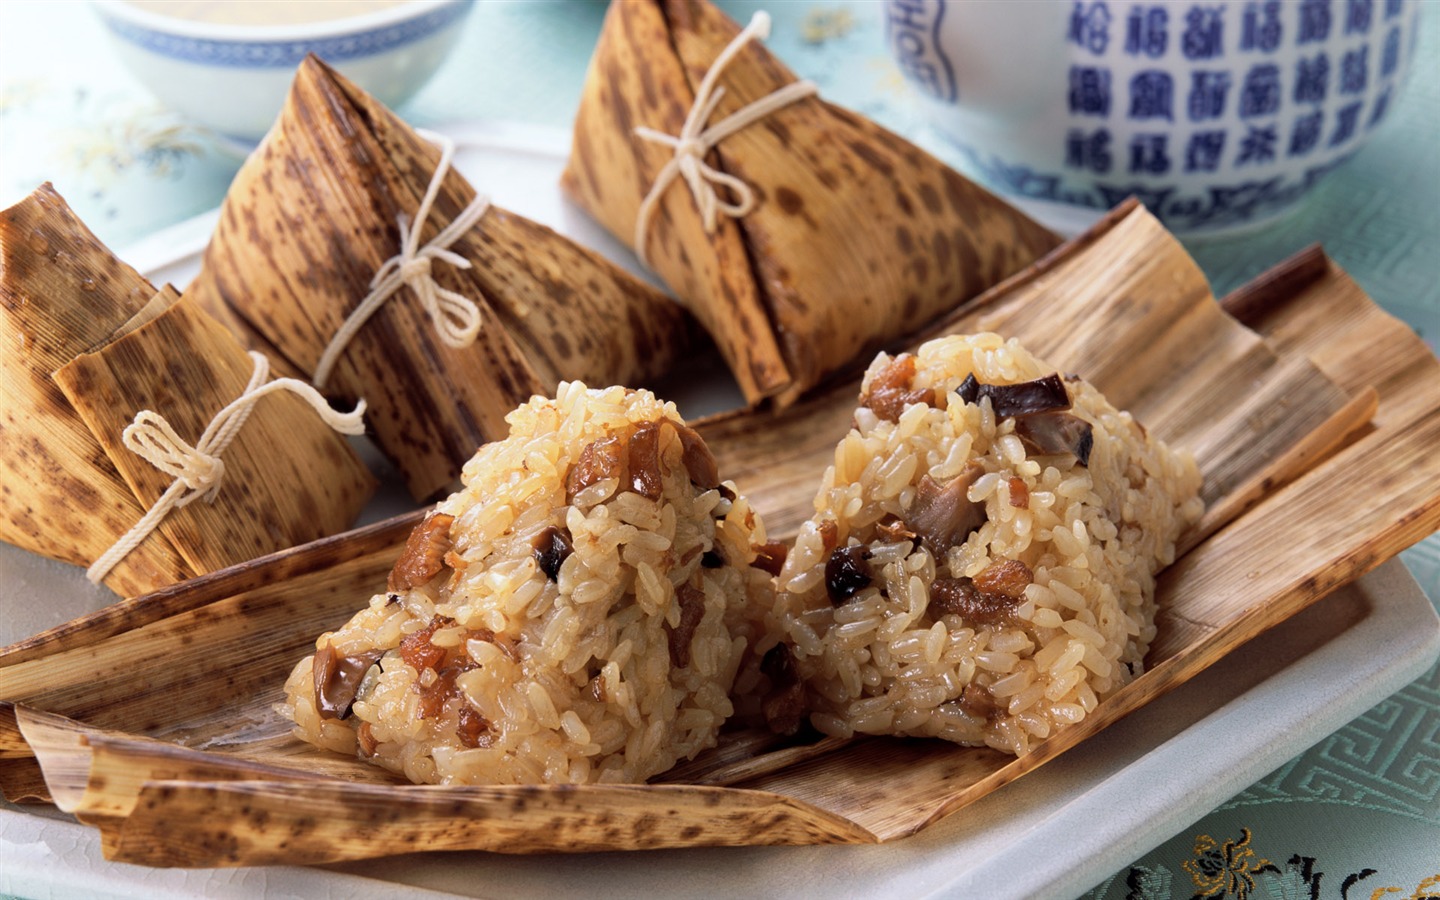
[(1217, 114)]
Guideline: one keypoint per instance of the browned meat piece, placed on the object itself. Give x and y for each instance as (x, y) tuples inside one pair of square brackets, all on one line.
[(1019, 493), (416, 649), (601, 459), (1006, 577), (889, 392), (829, 534), (960, 597), (770, 556), (424, 555), (337, 678), (471, 728)]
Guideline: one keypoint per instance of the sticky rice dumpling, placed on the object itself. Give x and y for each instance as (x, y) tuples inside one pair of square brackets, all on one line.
[(981, 565), (576, 613)]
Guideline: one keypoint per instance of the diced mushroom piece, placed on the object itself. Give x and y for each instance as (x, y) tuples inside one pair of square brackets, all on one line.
[(770, 556), (1057, 432), (1024, 399), (943, 516), (889, 391), (847, 572), (692, 610), (784, 705), (600, 459), (551, 549), (337, 679), (960, 597), (644, 461), (424, 555)]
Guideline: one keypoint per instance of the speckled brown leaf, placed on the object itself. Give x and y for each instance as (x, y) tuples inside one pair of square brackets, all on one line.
[(184, 762), (859, 237), (289, 477), (61, 293), (313, 215)]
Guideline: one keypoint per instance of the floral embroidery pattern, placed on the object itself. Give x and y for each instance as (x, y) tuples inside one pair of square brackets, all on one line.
[(1224, 870), (1231, 870)]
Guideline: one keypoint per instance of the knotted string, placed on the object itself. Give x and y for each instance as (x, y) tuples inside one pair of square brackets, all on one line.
[(198, 469), (695, 140), (456, 317)]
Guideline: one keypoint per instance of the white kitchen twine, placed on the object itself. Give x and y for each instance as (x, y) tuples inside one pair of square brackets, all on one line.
[(198, 469), (695, 140), (456, 317)]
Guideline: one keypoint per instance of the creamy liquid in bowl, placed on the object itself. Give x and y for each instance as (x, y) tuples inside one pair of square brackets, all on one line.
[(263, 12)]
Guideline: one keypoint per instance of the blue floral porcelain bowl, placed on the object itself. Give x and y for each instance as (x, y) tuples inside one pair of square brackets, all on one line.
[(234, 77), (1217, 114)]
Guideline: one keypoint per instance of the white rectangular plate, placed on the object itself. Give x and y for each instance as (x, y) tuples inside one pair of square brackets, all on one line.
[(1054, 833)]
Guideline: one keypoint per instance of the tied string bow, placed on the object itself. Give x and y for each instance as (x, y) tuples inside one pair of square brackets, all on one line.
[(695, 140), (198, 469), (456, 317)]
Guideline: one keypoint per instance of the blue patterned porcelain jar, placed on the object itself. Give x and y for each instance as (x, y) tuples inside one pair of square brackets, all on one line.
[(1218, 114)]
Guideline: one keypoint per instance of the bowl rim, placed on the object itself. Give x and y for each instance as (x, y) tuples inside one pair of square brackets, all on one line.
[(124, 11)]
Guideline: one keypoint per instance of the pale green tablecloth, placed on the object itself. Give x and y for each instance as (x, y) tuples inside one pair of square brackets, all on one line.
[(1357, 815)]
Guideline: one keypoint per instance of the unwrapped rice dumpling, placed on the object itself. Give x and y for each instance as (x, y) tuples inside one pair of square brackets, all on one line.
[(577, 612), (981, 566)]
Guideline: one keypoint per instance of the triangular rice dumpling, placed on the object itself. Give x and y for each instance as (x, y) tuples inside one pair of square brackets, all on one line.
[(314, 215), (61, 293), (288, 477), (90, 343), (856, 236)]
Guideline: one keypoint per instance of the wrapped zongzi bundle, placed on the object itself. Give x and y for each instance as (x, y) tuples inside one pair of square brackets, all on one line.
[(349, 241), (803, 236), (122, 405), (981, 566), (576, 613)]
